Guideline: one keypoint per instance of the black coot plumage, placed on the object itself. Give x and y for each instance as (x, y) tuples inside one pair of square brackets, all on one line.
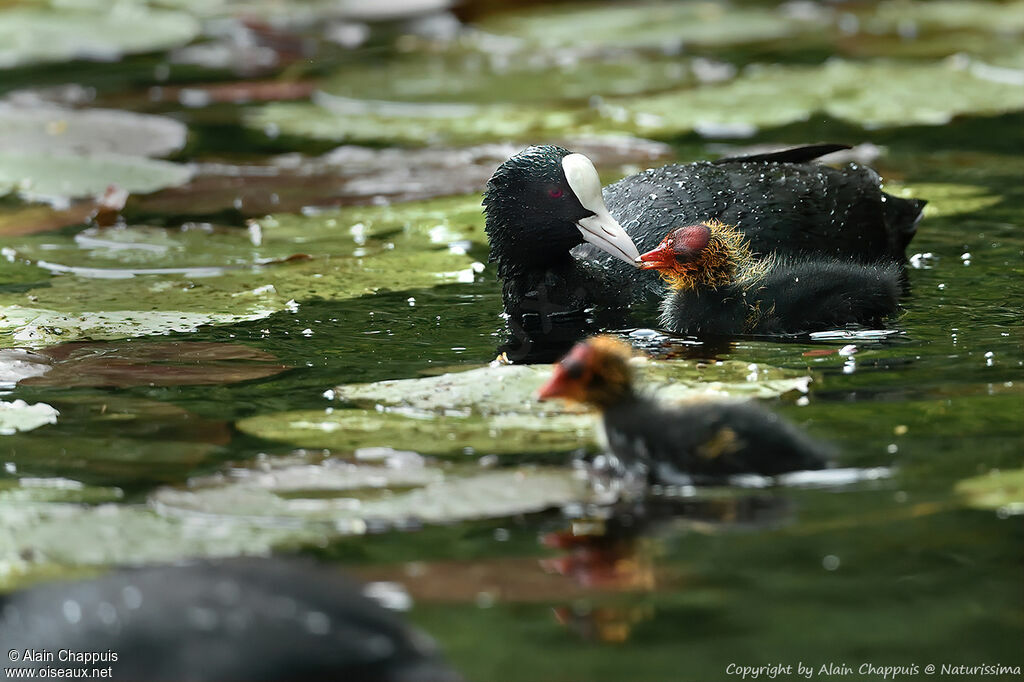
[(707, 440), (717, 286), (242, 619), (546, 202)]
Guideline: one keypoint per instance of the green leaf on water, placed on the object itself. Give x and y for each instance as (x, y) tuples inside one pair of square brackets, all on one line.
[(946, 199), (31, 35), (872, 94), (57, 176), (39, 128), (999, 490), (648, 25), (491, 410), (177, 280)]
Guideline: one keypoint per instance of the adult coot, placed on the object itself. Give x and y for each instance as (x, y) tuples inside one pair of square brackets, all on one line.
[(717, 286), (562, 245), (244, 620), (702, 440)]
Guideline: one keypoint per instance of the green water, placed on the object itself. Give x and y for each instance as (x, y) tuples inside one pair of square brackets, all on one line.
[(910, 569)]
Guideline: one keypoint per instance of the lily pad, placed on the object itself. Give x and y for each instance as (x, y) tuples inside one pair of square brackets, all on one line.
[(349, 430), (375, 495), (872, 94), (490, 391), (39, 34), (947, 199), (179, 280), (648, 25), (41, 327), (990, 17), (55, 177), (1002, 491), (340, 119), (475, 78), (491, 410), (20, 416), (106, 439), (51, 129), (360, 175), (43, 533), (180, 363)]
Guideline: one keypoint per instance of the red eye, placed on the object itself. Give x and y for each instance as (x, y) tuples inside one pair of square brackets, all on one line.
[(555, 193)]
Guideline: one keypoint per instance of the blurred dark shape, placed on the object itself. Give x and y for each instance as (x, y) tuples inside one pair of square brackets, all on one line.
[(243, 619)]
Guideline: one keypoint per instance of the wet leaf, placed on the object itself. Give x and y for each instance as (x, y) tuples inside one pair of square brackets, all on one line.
[(39, 34), (375, 495), (993, 17), (55, 177), (360, 175), (945, 199), (347, 120), (127, 441), (502, 390), (999, 490), (648, 25), (475, 78), (346, 430), (20, 416), (492, 410), (179, 280), (39, 327), (180, 363), (50, 129), (871, 94)]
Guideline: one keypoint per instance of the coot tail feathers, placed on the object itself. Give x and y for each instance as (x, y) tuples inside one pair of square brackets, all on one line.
[(802, 154)]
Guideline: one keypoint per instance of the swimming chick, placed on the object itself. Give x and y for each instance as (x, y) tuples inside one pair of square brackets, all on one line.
[(701, 440), (718, 286)]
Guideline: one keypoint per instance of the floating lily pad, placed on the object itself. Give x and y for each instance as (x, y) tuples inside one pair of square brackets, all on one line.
[(20, 416), (348, 430), (492, 391), (871, 94), (180, 363), (468, 78), (376, 495), (179, 280), (43, 528), (361, 175), (56, 177), (991, 17), (491, 410), (50, 129), (349, 120), (1002, 491), (107, 439), (946, 199), (37, 34), (41, 327), (647, 25)]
